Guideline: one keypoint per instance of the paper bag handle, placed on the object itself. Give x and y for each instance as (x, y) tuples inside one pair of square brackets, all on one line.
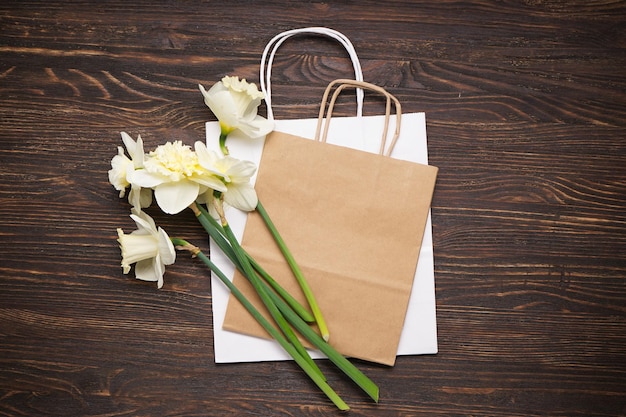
[(344, 83), (276, 41)]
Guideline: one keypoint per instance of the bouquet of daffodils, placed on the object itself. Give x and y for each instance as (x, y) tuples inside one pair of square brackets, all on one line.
[(179, 177)]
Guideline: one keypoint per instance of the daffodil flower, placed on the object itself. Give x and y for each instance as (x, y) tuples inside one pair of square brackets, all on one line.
[(174, 173), (235, 175), (149, 248), (235, 103), (122, 167)]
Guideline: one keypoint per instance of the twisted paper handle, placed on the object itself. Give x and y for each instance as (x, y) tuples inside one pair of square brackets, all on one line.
[(345, 83), (265, 72)]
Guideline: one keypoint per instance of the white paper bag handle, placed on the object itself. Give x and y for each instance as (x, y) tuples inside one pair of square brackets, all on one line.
[(344, 83), (265, 75)]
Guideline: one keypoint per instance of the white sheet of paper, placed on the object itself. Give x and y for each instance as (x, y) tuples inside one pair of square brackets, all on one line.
[(419, 334)]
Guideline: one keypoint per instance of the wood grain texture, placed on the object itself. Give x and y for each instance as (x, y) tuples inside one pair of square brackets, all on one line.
[(526, 118)]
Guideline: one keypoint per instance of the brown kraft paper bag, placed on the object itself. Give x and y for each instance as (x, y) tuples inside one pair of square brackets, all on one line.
[(354, 222)]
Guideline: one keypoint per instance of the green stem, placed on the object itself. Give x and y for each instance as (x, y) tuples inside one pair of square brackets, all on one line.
[(223, 146), (302, 362), (366, 384), (263, 293), (215, 230), (293, 303), (317, 313)]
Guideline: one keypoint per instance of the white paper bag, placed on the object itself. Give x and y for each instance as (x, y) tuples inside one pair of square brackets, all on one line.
[(419, 334)]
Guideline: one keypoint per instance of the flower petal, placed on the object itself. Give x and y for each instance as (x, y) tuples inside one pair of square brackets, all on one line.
[(210, 181), (166, 248), (240, 171), (143, 221), (224, 108), (139, 155), (145, 179), (120, 165), (241, 196), (256, 128), (174, 197), (247, 106), (206, 158), (146, 270), (140, 197), (129, 143)]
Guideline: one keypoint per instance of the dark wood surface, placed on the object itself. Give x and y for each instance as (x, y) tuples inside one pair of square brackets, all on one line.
[(526, 116)]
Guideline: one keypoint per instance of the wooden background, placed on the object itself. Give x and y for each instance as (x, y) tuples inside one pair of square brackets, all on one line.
[(526, 116)]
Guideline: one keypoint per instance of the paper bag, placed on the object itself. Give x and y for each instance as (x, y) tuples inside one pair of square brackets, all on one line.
[(354, 222), (419, 335)]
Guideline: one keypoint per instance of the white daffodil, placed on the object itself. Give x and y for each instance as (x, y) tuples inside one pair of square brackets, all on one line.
[(172, 170), (235, 174), (149, 248), (122, 166), (235, 103)]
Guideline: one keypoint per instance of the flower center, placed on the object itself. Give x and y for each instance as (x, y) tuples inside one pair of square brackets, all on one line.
[(174, 160)]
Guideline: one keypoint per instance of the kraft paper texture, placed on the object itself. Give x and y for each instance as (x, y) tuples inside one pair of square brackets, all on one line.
[(354, 221)]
